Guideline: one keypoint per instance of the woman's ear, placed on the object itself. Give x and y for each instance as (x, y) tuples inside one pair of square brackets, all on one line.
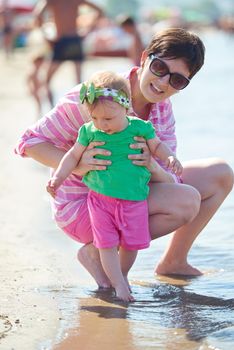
[(143, 57)]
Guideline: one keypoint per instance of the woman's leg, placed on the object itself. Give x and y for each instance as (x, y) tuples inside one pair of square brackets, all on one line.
[(89, 257), (213, 178), (170, 206)]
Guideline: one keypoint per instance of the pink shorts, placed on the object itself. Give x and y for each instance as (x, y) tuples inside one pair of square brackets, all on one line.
[(117, 222), (80, 230)]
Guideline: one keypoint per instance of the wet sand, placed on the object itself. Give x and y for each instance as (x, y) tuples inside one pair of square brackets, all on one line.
[(34, 254)]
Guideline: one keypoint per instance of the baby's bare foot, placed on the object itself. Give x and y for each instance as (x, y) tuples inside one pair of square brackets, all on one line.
[(123, 293), (127, 283)]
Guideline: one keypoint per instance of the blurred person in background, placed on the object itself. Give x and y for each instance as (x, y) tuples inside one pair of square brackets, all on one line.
[(136, 47), (67, 45), (40, 51), (6, 19)]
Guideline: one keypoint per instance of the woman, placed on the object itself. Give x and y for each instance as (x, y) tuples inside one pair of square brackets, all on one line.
[(169, 62)]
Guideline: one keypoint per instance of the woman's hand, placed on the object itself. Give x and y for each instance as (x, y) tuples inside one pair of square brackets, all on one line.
[(143, 158), (88, 162), (158, 174)]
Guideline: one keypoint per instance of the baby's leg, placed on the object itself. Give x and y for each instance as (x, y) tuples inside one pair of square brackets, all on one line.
[(111, 265), (127, 259)]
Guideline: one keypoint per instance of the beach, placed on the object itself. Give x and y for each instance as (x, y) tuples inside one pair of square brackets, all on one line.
[(27, 317), (48, 301)]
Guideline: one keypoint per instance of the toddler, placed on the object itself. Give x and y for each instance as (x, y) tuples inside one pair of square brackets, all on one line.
[(117, 197)]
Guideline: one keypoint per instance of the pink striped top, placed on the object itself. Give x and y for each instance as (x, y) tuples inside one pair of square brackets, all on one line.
[(60, 127)]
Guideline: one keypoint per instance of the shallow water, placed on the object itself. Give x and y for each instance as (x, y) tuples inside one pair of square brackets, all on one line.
[(172, 313)]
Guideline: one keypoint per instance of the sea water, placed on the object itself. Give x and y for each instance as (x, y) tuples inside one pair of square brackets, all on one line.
[(203, 307)]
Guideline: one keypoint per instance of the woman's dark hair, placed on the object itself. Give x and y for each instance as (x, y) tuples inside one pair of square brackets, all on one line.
[(179, 43)]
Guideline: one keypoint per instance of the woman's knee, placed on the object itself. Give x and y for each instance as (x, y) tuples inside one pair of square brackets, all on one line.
[(211, 177), (224, 176), (189, 205)]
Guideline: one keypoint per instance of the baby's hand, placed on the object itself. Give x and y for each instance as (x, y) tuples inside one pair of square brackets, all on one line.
[(52, 187), (174, 165)]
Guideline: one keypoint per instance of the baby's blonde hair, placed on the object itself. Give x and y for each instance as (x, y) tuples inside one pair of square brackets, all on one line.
[(109, 79)]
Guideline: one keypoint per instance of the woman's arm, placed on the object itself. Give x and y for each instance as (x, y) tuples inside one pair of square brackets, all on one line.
[(88, 162), (49, 155), (45, 153), (158, 174)]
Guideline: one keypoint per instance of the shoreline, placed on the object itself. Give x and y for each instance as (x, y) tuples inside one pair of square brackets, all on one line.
[(35, 254)]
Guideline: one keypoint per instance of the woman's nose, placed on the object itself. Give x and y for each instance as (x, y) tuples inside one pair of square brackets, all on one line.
[(164, 80)]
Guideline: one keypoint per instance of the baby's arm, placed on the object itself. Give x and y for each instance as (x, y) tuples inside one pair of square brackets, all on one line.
[(160, 150), (67, 164)]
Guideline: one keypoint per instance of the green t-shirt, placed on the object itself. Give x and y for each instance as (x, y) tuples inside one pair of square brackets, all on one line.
[(121, 179)]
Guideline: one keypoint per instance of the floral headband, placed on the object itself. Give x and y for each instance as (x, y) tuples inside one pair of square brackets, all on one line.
[(90, 93)]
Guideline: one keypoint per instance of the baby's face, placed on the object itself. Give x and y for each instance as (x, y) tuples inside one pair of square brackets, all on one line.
[(109, 117)]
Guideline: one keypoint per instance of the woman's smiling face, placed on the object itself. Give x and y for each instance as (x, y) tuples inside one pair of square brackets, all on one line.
[(156, 89)]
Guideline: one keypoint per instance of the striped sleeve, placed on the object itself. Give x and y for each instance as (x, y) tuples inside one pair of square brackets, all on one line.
[(163, 120), (58, 127)]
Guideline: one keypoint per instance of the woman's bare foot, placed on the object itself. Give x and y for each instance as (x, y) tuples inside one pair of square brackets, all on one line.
[(89, 257), (176, 268)]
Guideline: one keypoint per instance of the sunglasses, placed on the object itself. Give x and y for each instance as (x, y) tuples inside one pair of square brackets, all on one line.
[(159, 68)]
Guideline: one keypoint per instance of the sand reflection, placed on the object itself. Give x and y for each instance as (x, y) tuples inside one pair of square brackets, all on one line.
[(102, 323)]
